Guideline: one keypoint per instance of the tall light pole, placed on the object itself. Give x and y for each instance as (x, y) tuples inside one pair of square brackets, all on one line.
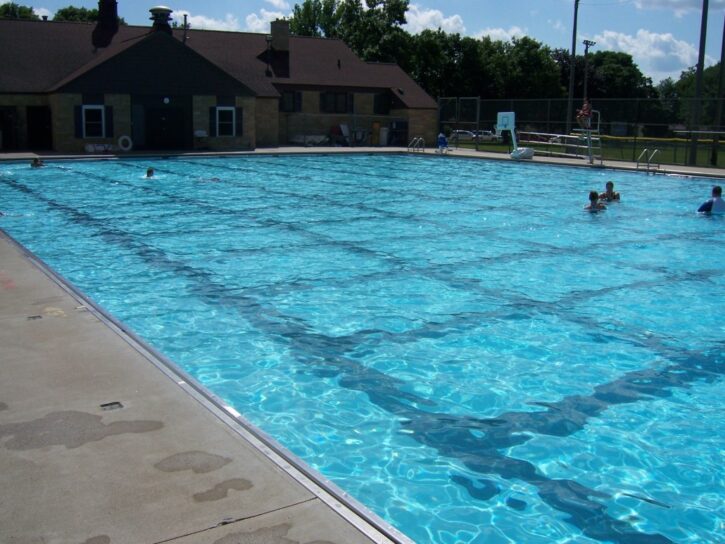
[(572, 61), (587, 45), (720, 97), (696, 106)]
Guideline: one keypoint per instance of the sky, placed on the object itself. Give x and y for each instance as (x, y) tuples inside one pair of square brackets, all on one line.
[(663, 36)]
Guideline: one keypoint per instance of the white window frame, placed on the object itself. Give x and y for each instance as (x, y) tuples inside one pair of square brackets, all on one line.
[(234, 121), (103, 120)]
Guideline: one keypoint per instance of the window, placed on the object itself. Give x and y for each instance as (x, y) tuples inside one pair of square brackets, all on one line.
[(381, 104), (290, 101), (94, 122), (225, 121), (336, 102)]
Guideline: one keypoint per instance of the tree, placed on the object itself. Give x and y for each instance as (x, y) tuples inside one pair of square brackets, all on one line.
[(315, 18), (532, 72), (79, 15), (15, 11), (374, 32), (685, 90)]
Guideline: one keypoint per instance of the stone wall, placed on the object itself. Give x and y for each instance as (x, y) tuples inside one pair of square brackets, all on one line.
[(200, 107), (267, 122), (63, 108), (421, 122)]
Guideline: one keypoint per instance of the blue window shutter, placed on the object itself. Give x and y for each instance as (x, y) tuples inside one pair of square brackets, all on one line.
[(78, 117), (239, 118), (109, 122), (212, 122)]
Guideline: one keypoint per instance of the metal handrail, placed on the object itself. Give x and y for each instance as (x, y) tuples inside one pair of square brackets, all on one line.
[(417, 143), (639, 159), (652, 156), (649, 156), (580, 142)]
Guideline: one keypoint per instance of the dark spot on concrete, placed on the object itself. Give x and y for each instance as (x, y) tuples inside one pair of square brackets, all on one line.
[(266, 535), (516, 504), (221, 490), (115, 405), (48, 300), (3, 406), (101, 539), (70, 429), (196, 461)]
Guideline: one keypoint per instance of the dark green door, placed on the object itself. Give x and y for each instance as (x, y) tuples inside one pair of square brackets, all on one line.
[(165, 128), (40, 128)]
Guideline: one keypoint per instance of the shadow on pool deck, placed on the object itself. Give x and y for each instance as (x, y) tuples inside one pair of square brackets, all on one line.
[(102, 443)]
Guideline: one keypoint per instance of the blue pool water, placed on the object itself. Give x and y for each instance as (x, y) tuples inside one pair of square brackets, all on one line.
[(454, 342)]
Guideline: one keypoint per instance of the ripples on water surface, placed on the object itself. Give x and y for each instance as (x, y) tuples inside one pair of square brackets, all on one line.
[(454, 342)]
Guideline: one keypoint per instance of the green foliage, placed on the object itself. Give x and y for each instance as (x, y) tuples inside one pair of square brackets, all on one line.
[(373, 32), (684, 91), (11, 10), (532, 72), (79, 15)]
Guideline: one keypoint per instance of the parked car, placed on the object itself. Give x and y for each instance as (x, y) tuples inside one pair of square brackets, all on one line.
[(487, 136), (462, 136)]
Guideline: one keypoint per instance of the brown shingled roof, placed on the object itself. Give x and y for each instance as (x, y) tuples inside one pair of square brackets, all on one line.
[(41, 56)]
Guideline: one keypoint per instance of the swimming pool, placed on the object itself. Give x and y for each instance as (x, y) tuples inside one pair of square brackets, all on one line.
[(454, 342)]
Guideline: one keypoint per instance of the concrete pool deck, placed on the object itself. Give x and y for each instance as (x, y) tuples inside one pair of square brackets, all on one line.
[(102, 443)]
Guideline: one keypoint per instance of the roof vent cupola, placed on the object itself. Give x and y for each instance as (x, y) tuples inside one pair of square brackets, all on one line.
[(161, 16)]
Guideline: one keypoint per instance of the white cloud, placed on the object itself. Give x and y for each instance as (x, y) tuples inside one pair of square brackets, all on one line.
[(40, 12), (680, 7), (202, 22), (260, 22), (657, 55), (419, 19), (556, 25), (279, 4), (502, 34)]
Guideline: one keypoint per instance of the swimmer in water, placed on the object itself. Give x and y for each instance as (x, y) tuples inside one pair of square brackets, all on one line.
[(150, 173), (715, 204), (36, 163), (609, 195), (594, 204)]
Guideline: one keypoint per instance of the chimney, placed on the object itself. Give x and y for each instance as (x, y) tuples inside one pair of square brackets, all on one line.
[(280, 35), (161, 16), (107, 24)]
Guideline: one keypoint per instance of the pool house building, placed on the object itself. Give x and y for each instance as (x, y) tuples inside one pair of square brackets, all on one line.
[(75, 87)]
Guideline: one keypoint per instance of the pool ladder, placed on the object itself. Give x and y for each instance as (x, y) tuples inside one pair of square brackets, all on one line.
[(417, 144), (649, 167)]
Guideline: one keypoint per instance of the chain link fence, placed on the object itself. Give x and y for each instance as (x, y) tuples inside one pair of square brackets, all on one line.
[(627, 126)]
